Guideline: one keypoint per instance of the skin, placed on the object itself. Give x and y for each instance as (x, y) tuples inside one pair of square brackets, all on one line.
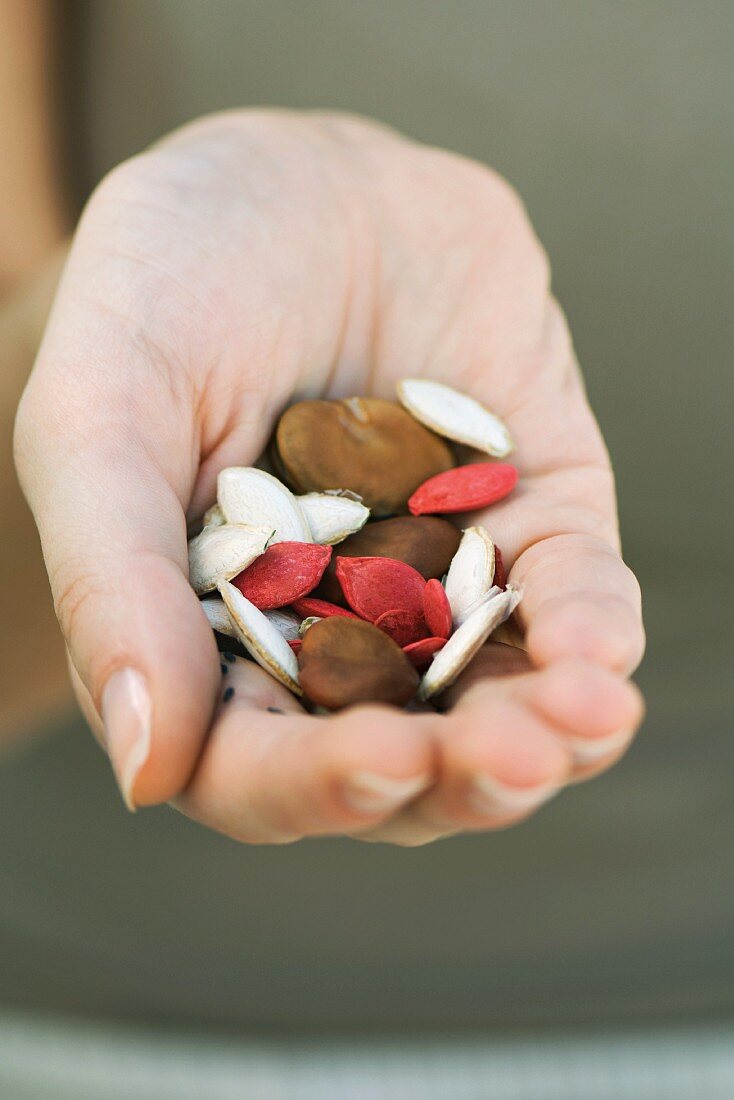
[(250, 259)]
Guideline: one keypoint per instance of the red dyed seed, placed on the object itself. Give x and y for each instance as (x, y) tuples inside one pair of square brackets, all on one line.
[(309, 605), (437, 610), (402, 626), (373, 586), (284, 573), (295, 644), (464, 489), (420, 653), (500, 574)]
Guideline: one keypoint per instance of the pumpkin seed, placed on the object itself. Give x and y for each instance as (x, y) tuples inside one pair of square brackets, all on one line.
[(249, 495), (455, 416), (219, 553), (332, 516), (285, 622), (471, 572), (260, 638), (213, 517), (216, 612), (465, 642)]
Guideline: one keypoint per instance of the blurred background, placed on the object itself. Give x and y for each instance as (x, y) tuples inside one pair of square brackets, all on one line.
[(613, 907)]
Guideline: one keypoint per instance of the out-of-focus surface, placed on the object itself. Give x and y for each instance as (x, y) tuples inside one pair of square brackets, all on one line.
[(67, 1062), (34, 684), (33, 219), (615, 122)]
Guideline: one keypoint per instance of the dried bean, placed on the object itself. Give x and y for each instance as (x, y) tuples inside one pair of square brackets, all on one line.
[(371, 446), (347, 661)]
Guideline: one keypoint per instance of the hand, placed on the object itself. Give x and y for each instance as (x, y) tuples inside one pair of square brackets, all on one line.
[(251, 258)]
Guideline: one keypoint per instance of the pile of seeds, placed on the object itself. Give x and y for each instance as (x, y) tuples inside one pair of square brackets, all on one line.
[(398, 610)]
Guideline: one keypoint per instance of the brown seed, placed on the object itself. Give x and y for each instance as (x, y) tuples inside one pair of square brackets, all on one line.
[(425, 542), (346, 661), (371, 446)]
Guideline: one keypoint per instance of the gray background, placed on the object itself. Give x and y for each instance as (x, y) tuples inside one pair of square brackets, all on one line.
[(615, 120)]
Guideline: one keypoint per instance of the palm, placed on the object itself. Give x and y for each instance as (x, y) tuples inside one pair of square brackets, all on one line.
[(280, 258)]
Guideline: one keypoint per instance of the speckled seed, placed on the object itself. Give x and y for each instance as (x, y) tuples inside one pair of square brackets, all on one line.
[(347, 661), (425, 542), (372, 446)]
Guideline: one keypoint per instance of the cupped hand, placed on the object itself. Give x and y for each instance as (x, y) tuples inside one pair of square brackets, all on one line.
[(257, 257)]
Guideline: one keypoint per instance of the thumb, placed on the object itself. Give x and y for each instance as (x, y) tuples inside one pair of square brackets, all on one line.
[(113, 532)]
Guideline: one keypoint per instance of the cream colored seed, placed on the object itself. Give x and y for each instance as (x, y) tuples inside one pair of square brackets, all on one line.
[(495, 590), (464, 643), (455, 416), (331, 516), (216, 612), (285, 622), (220, 553), (249, 495), (261, 639), (213, 517), (471, 572)]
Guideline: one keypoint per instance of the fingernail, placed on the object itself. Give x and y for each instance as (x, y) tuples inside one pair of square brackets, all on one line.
[(587, 750), (126, 713), (372, 794), (489, 796)]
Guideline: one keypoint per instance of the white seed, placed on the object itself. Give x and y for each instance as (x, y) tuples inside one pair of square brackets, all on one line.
[(465, 642), (216, 612), (285, 622), (248, 495), (455, 415), (220, 553), (213, 517), (471, 572), (493, 591), (261, 639), (331, 516)]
